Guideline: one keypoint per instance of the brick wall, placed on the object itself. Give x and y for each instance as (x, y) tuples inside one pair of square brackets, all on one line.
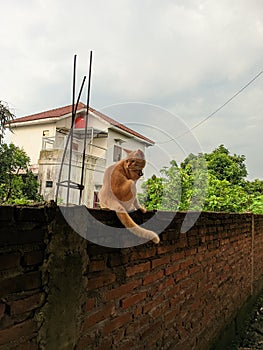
[(59, 291), (22, 253), (258, 248)]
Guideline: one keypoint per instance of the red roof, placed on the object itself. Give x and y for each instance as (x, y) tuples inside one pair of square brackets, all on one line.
[(53, 113), (59, 112)]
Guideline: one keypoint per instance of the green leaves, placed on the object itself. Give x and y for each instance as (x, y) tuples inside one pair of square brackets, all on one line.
[(5, 117), (226, 167), (223, 196), (210, 182), (17, 183)]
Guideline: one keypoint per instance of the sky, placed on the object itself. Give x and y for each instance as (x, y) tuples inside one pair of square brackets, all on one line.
[(159, 66)]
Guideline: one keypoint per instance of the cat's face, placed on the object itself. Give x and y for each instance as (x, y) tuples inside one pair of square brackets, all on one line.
[(134, 167)]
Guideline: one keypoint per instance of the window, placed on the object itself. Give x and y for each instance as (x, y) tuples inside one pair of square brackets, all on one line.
[(75, 146), (45, 133), (117, 153), (49, 183)]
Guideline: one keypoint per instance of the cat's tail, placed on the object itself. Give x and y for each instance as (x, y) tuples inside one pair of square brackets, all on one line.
[(127, 221)]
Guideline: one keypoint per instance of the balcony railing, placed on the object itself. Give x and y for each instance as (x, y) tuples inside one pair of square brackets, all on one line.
[(93, 147)]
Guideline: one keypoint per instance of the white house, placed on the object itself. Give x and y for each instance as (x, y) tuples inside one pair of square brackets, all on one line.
[(58, 160)]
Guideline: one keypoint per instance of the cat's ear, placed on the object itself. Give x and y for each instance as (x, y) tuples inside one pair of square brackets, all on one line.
[(140, 154), (134, 154), (127, 151)]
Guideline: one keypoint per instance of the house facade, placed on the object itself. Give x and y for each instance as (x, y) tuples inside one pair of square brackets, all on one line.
[(59, 160)]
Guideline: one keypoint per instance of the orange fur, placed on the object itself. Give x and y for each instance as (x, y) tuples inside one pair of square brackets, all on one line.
[(118, 192)]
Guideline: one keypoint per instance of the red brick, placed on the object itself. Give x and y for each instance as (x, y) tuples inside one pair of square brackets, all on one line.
[(173, 291), (117, 260), (96, 266), (171, 269), (161, 261), (27, 304), (150, 342), (153, 277), (25, 328), (182, 243), (101, 280), (28, 281), (133, 270), (122, 290), (186, 263), (181, 275), (195, 269), (2, 310), (143, 254), (171, 315), (104, 312), (116, 323), (153, 328), (138, 311), (20, 236), (33, 258), (165, 249), (165, 284), (133, 300), (90, 304), (177, 256), (9, 261), (192, 251), (152, 304)]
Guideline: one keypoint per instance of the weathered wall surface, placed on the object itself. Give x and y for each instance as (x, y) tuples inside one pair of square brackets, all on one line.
[(59, 291)]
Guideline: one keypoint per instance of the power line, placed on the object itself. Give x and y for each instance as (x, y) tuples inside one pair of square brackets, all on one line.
[(217, 110)]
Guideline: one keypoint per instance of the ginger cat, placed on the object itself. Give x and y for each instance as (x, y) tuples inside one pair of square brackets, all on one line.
[(118, 192)]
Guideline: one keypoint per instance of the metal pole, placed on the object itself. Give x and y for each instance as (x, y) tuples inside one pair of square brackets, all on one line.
[(67, 142), (86, 132), (72, 125)]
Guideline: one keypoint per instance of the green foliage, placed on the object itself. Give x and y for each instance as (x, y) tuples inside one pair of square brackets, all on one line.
[(226, 167), (152, 193), (171, 187), (5, 117), (17, 184), (254, 187), (223, 196), (210, 182), (257, 204)]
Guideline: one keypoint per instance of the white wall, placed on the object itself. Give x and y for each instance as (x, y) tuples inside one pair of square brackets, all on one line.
[(29, 137), (129, 143)]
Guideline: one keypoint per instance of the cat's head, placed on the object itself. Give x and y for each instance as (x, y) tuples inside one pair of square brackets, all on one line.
[(134, 163)]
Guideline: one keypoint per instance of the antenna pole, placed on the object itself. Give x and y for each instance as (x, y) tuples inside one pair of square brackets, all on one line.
[(86, 131), (72, 125)]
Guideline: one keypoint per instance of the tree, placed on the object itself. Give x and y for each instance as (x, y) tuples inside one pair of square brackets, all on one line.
[(17, 183), (152, 193), (212, 182), (224, 196), (226, 167), (5, 118)]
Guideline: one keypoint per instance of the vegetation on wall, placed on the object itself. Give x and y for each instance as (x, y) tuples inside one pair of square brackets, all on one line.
[(213, 181)]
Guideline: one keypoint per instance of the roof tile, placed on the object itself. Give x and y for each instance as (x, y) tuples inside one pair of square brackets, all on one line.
[(59, 112)]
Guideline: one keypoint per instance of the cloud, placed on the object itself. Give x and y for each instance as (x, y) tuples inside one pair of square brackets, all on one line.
[(186, 56)]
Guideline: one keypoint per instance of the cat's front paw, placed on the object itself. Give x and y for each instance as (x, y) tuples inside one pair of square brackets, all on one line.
[(143, 210)]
